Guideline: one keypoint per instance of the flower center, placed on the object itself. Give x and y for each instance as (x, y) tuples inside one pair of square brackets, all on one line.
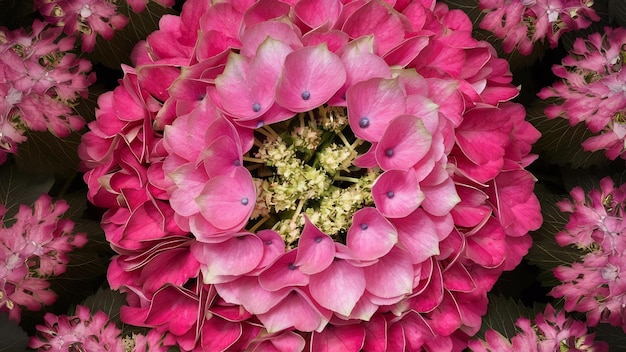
[(304, 166)]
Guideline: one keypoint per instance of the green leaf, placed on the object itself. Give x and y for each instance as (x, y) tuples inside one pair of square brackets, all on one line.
[(560, 142), (613, 335), (108, 301), (112, 53), (45, 151), (545, 252), (19, 187), (503, 312), (12, 337)]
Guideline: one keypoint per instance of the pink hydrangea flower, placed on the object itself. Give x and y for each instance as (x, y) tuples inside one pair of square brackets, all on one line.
[(592, 90), (314, 174), (140, 5), (594, 285), (79, 332), (550, 331), (39, 83), (33, 249), (83, 18), (523, 23)]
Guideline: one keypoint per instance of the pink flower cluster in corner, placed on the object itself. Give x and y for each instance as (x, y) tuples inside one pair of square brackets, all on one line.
[(79, 332), (522, 23), (83, 18), (595, 285), (39, 81), (593, 90), (85, 331), (33, 249), (551, 331)]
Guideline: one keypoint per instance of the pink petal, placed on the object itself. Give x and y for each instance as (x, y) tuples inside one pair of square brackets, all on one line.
[(391, 276), (218, 334), (440, 198), (371, 235), (339, 338), (251, 101), (287, 341), (334, 39), (296, 311), (418, 234), (432, 293), (264, 11), (278, 30), (379, 19), (372, 105), (405, 142), (376, 334), (175, 308), (222, 157), (316, 13), (227, 201), (174, 266), (457, 278), (247, 292), (236, 256), (406, 51), (283, 273), (340, 276), (273, 247), (397, 193), (311, 76), (316, 250)]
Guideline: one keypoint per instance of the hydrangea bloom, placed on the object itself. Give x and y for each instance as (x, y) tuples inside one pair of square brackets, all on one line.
[(312, 174), (84, 18), (39, 82), (593, 90), (594, 286), (522, 23), (550, 332), (33, 249)]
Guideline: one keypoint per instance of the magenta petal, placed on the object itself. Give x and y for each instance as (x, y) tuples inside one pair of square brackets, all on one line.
[(405, 142), (285, 342), (418, 234), (376, 334), (339, 338), (283, 273), (218, 335), (316, 13), (236, 256), (340, 276), (397, 193), (278, 30), (368, 159), (379, 19), (233, 82), (457, 278), (372, 105), (404, 53), (227, 201), (297, 311), (391, 276), (316, 250), (310, 76), (273, 247), (174, 307), (222, 157), (247, 292), (371, 235), (440, 199)]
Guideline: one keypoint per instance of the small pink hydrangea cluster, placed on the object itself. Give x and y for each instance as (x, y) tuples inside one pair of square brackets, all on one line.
[(551, 332), (593, 90), (522, 23), (33, 249), (39, 81), (79, 332), (88, 18), (169, 158), (596, 225)]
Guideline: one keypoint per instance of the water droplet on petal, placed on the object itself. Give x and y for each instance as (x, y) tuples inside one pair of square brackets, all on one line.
[(390, 194), (364, 122), (244, 201), (306, 95), (364, 226), (256, 107), (389, 152)]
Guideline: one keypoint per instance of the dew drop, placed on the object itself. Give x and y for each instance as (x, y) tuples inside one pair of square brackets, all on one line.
[(389, 152), (244, 201), (306, 95), (364, 226), (364, 122), (256, 107), (318, 239), (390, 194), (292, 266)]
